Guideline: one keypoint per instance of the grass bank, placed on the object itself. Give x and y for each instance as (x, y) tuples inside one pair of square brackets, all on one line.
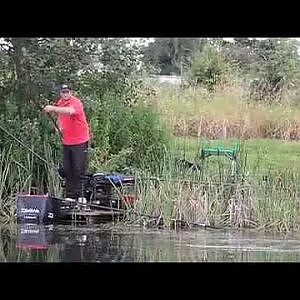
[(263, 195)]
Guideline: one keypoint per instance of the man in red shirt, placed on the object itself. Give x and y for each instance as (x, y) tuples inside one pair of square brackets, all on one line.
[(76, 135)]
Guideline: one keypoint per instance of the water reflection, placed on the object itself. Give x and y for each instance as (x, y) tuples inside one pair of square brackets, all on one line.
[(107, 243), (103, 246), (33, 236)]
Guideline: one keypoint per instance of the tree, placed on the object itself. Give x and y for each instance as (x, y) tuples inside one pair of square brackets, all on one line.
[(276, 68), (241, 51), (208, 67), (171, 55), (272, 65)]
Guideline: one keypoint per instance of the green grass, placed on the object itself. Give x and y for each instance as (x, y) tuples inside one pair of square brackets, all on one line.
[(264, 154)]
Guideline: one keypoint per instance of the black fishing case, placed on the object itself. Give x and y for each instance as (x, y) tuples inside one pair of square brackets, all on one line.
[(38, 209)]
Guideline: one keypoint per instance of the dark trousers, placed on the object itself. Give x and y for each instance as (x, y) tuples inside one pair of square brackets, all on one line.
[(75, 166)]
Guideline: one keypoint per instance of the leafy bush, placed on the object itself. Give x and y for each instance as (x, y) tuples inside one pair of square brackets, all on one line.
[(127, 136)]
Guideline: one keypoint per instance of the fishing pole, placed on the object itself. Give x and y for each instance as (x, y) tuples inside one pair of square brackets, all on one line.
[(140, 214), (149, 216), (40, 107), (27, 147), (34, 94), (107, 207)]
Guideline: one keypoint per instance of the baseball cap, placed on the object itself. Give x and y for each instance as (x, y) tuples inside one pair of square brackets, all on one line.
[(65, 87)]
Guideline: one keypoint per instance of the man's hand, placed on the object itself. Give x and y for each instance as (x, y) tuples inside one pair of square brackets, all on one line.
[(49, 108), (60, 110)]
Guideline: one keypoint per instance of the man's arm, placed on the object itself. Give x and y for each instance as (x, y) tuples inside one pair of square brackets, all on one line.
[(61, 110), (57, 126)]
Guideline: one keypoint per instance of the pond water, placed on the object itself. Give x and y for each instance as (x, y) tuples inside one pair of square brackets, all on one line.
[(120, 243)]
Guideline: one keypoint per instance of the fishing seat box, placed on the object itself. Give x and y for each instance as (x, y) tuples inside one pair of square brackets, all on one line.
[(104, 188), (37, 209)]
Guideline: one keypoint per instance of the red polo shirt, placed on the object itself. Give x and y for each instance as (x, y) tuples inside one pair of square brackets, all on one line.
[(74, 128)]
